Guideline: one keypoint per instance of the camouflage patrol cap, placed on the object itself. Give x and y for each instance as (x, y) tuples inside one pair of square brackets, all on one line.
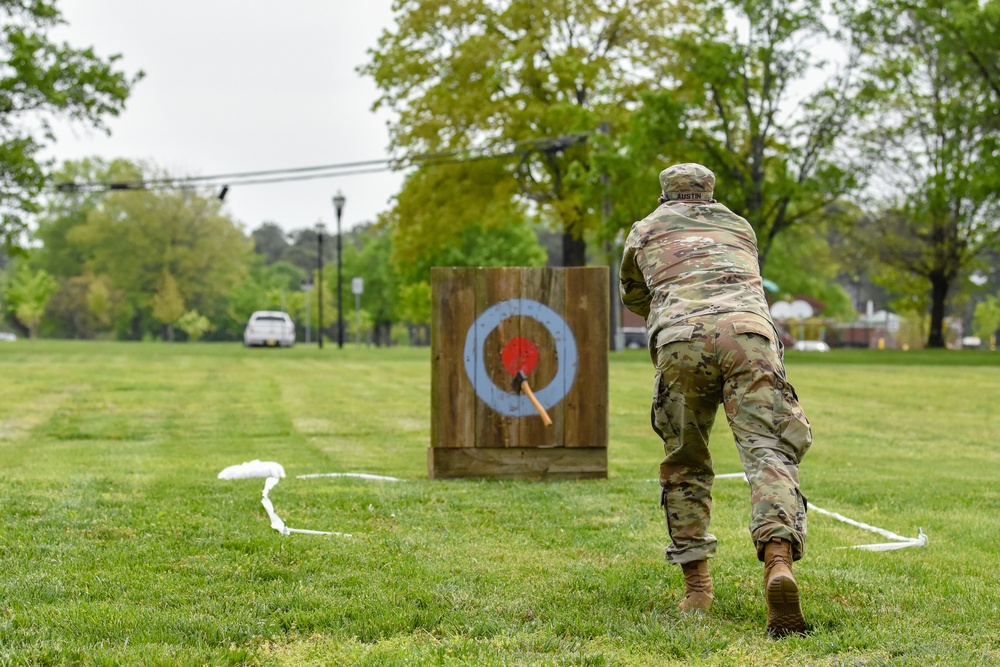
[(687, 182)]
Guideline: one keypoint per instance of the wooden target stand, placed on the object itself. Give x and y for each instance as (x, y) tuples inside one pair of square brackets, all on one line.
[(551, 325)]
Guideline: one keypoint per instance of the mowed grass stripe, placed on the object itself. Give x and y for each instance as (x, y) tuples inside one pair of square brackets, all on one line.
[(119, 546)]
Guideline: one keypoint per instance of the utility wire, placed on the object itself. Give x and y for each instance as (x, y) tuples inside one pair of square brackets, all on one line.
[(522, 147)]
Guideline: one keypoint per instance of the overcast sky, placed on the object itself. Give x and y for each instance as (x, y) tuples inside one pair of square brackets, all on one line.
[(244, 85)]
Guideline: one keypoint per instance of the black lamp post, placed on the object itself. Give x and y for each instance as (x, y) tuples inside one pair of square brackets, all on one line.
[(320, 228), (338, 205)]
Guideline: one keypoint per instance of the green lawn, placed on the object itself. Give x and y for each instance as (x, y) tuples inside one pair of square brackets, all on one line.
[(118, 545)]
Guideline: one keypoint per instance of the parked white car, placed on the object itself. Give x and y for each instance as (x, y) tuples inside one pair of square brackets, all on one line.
[(271, 328), (811, 346)]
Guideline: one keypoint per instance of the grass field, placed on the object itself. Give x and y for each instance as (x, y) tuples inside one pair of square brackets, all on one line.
[(118, 545)]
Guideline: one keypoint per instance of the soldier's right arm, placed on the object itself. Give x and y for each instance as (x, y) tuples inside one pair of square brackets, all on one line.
[(632, 286)]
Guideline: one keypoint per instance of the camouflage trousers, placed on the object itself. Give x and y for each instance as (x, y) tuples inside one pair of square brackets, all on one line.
[(735, 360)]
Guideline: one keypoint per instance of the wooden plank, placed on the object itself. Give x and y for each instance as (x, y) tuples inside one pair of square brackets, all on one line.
[(586, 313), (519, 463), (546, 287), (453, 397), (494, 286)]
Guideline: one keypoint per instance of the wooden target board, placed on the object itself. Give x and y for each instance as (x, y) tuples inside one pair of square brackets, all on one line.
[(551, 325)]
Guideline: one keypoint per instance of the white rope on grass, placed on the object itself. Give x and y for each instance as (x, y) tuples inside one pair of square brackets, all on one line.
[(899, 542), (276, 521), (273, 472), (360, 475)]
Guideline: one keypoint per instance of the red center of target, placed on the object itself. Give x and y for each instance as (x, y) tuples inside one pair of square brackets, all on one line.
[(519, 354)]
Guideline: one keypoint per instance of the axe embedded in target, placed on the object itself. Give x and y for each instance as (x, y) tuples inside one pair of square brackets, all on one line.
[(520, 357)]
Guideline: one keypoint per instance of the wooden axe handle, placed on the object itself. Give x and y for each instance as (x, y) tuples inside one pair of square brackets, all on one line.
[(538, 406)]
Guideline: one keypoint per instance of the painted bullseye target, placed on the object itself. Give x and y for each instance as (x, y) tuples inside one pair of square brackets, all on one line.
[(520, 354)]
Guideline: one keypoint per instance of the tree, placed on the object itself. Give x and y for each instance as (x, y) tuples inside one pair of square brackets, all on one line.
[(932, 141), (41, 81), (303, 251), (270, 240), (531, 77), (27, 296), (415, 310), (496, 233), (752, 95), (803, 263), (986, 320), (194, 324), (970, 29), (167, 304), (135, 238), (368, 255)]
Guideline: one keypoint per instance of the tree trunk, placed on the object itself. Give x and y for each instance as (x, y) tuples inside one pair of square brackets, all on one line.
[(939, 295), (136, 328), (574, 250)]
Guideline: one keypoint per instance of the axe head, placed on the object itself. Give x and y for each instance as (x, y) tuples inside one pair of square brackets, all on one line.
[(519, 379)]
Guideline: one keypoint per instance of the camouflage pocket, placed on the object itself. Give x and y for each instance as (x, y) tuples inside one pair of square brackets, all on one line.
[(674, 335), (790, 421), (756, 328)]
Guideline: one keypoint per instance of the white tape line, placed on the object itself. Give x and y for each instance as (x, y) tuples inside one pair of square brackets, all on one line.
[(900, 542), (274, 472), (360, 475), (276, 521)]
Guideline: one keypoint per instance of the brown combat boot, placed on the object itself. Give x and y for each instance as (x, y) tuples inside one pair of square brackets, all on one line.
[(784, 612), (698, 592)]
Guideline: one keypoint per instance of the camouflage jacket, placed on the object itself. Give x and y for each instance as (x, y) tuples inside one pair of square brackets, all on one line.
[(690, 259)]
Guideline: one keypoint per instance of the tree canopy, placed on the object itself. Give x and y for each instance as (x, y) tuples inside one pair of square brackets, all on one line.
[(931, 143), (40, 81), (524, 77)]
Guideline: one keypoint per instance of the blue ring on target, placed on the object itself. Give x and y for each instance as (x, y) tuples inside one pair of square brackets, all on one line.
[(508, 402)]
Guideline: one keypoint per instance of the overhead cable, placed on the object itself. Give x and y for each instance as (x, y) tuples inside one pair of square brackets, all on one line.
[(284, 175)]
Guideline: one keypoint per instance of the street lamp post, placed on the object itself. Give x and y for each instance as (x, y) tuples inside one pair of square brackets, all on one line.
[(320, 228), (338, 205), (306, 287)]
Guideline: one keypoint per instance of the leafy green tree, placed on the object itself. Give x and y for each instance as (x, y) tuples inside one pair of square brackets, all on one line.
[(271, 241), (368, 255), (27, 296), (134, 238), (42, 80), (531, 77), (358, 325), (415, 303), (500, 236), (194, 324), (70, 313), (415, 311), (986, 319), (167, 304), (932, 139), (68, 208), (804, 264), (968, 28), (84, 306), (751, 95)]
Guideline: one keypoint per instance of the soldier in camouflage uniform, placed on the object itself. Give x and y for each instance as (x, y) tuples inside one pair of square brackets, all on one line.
[(690, 268)]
